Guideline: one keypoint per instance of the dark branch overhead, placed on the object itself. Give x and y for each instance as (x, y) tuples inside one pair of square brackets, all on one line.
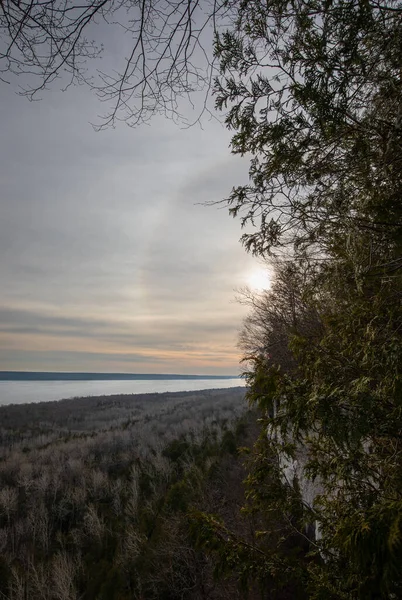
[(309, 88), (169, 56)]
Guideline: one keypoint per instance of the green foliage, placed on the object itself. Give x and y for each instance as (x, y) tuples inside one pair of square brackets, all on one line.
[(229, 442), (339, 413), (313, 92), (272, 559), (179, 496), (176, 450)]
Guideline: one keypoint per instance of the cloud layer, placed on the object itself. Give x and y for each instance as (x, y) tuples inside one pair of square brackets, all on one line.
[(110, 261)]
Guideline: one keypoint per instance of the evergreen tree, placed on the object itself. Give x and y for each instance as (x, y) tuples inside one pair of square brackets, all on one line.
[(314, 96)]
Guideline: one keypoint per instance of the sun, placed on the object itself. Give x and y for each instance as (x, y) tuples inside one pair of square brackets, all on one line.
[(259, 279)]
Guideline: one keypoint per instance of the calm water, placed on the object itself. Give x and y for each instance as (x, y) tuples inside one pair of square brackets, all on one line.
[(20, 392)]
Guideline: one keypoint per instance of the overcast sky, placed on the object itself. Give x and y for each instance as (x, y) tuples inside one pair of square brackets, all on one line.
[(109, 261)]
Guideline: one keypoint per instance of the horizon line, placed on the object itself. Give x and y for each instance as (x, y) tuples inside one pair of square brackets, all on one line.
[(116, 374)]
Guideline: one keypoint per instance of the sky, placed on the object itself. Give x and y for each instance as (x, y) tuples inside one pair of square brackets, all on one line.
[(109, 259)]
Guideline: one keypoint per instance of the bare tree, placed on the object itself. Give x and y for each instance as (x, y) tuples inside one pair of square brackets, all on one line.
[(168, 55), (8, 501), (93, 523), (286, 309), (40, 581), (18, 584), (63, 573)]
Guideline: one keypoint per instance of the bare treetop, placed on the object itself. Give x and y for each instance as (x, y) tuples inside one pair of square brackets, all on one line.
[(169, 53)]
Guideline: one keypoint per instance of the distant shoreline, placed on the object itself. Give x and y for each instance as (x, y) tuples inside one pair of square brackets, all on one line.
[(76, 401), (152, 396), (62, 376)]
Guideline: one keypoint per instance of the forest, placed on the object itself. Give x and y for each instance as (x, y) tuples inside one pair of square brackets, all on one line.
[(95, 493)]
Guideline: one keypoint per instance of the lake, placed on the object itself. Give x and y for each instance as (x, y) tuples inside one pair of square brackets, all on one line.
[(21, 392)]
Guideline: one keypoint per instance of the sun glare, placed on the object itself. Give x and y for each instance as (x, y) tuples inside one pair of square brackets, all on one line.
[(259, 279)]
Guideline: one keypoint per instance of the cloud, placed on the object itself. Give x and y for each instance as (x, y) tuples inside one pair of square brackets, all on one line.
[(106, 248)]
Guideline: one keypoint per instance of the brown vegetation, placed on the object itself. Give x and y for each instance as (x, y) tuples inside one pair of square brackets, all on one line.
[(95, 494)]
